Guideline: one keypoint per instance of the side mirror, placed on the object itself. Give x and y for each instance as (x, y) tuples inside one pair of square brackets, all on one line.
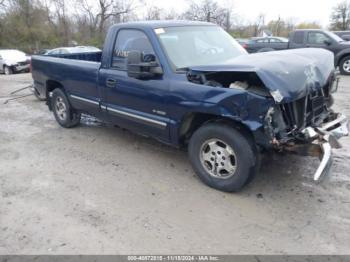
[(327, 42), (142, 66)]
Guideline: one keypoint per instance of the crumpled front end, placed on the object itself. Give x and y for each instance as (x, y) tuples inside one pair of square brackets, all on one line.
[(297, 86), (308, 126)]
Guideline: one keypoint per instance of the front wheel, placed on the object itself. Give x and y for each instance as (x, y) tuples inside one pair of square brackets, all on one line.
[(344, 66), (8, 70), (65, 115), (222, 157)]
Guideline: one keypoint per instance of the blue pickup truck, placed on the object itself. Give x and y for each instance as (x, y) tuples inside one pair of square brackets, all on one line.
[(191, 85)]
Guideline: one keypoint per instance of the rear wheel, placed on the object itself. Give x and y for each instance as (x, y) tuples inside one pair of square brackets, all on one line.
[(65, 115), (344, 66), (222, 157)]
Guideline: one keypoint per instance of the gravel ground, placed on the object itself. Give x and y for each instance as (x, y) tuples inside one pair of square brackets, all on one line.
[(97, 189)]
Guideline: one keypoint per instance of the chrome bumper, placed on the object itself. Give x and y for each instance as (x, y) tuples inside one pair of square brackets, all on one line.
[(326, 137)]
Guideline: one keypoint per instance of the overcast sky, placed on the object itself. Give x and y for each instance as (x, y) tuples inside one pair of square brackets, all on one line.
[(300, 10)]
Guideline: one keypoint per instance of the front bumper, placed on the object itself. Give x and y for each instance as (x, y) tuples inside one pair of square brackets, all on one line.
[(20, 68), (323, 138)]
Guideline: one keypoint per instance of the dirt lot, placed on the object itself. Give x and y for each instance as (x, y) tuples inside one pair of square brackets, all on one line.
[(99, 189)]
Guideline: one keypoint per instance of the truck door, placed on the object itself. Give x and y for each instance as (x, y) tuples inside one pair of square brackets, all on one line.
[(132, 103), (319, 40)]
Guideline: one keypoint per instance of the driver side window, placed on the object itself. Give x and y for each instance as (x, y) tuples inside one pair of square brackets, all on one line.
[(129, 40), (317, 38)]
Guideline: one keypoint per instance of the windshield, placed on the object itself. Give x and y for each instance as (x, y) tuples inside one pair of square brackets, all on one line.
[(198, 45), (335, 37)]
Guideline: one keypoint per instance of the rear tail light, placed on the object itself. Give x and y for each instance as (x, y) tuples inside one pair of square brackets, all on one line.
[(245, 45)]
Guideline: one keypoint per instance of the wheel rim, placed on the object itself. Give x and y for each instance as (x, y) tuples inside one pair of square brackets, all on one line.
[(218, 159), (61, 109), (346, 66)]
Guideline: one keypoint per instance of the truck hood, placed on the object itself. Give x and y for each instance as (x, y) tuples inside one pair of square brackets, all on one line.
[(288, 75)]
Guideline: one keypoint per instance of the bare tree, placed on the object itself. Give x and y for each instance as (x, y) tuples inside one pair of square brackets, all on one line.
[(207, 10), (111, 9), (61, 14), (87, 17), (153, 13), (96, 15), (340, 18), (171, 15)]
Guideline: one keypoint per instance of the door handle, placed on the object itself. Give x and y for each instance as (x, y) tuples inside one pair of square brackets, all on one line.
[(110, 82)]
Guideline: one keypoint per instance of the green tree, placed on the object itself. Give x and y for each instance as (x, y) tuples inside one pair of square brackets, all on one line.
[(308, 25)]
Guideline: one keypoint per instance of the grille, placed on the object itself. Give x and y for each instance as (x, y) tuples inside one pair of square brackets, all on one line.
[(307, 111), (23, 63)]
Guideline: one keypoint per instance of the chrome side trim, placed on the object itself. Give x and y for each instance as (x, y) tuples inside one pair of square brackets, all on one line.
[(142, 118), (85, 100)]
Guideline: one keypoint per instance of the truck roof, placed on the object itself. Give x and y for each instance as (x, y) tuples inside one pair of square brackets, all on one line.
[(316, 30), (162, 23)]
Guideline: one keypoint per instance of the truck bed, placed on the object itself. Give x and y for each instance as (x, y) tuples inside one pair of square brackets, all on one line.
[(77, 72), (91, 56)]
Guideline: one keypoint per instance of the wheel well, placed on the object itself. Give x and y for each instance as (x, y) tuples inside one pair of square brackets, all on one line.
[(341, 58), (192, 121), (50, 86)]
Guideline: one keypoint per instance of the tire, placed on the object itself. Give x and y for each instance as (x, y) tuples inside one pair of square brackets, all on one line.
[(233, 151), (65, 115), (8, 70), (344, 66)]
